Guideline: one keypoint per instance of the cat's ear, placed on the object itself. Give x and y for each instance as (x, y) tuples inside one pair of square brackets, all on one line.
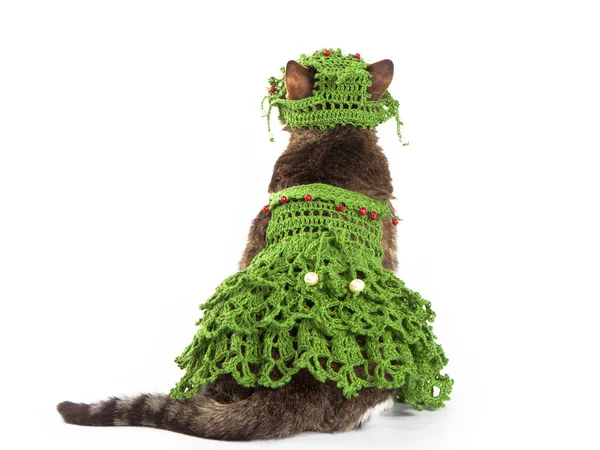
[(382, 73), (299, 80)]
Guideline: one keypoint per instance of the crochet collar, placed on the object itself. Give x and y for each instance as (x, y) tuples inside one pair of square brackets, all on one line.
[(345, 199)]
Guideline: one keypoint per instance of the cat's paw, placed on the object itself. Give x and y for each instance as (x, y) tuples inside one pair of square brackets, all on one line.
[(375, 411)]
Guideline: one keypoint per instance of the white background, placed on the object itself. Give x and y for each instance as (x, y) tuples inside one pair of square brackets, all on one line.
[(133, 158)]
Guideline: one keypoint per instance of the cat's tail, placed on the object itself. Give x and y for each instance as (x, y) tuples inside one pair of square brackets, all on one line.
[(225, 411), (199, 416), (259, 416)]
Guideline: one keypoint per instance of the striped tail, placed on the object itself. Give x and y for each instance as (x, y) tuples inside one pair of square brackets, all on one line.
[(302, 405), (199, 416), (150, 410)]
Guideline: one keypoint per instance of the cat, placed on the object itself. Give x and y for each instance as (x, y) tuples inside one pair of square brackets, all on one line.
[(346, 157)]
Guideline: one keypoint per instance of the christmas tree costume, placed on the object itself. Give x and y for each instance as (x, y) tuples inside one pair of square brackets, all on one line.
[(317, 298)]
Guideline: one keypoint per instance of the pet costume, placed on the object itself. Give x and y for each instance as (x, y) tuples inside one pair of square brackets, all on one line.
[(317, 297)]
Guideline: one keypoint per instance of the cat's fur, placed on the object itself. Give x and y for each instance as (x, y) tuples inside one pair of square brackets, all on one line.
[(345, 157)]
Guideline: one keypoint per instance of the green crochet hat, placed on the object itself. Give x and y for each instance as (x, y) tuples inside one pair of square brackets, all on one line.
[(339, 95)]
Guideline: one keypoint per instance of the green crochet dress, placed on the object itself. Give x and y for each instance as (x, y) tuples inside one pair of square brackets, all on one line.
[(265, 323)]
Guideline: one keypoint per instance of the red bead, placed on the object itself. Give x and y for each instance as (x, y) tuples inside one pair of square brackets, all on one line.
[(266, 208), (327, 53), (272, 90), (395, 221), (373, 215), (340, 207), (362, 211), (357, 56), (307, 197), (283, 199)]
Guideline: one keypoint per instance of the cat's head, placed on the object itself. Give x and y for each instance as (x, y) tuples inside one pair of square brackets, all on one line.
[(300, 80), (329, 89)]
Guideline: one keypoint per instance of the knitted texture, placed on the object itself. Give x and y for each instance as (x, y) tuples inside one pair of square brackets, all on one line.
[(265, 323), (339, 95)]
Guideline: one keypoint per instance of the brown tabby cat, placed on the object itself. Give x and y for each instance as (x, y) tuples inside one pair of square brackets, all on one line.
[(345, 157)]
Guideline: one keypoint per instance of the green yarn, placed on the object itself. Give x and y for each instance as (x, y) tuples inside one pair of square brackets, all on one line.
[(265, 323), (339, 96)]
